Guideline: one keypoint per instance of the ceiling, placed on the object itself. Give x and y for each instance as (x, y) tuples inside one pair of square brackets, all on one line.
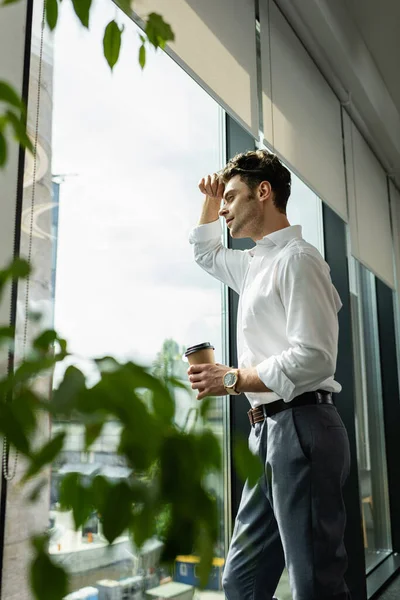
[(379, 26)]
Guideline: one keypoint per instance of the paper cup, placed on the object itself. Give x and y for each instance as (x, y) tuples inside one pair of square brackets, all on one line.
[(200, 354)]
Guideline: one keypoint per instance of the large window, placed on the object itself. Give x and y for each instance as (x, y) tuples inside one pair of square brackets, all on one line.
[(371, 452), (126, 152)]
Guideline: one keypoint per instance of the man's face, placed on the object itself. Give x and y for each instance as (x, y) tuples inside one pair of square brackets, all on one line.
[(241, 209)]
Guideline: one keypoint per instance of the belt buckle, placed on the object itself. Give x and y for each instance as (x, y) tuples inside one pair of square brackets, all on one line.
[(323, 397), (251, 417)]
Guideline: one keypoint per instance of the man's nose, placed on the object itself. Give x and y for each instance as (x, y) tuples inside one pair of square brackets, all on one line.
[(222, 211)]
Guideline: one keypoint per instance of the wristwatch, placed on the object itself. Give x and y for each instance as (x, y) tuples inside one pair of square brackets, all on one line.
[(230, 381)]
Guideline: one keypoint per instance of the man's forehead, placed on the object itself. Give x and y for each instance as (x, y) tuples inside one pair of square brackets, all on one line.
[(233, 184)]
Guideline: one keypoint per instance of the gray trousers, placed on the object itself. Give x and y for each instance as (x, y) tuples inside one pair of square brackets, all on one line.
[(295, 515)]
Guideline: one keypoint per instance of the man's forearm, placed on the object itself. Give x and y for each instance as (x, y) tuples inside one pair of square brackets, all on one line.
[(210, 211), (249, 381)]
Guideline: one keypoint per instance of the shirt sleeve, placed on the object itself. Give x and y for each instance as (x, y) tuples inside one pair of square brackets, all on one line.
[(225, 264), (311, 304)]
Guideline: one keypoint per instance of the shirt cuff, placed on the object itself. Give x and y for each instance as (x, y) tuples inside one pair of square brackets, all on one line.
[(206, 232), (275, 379)]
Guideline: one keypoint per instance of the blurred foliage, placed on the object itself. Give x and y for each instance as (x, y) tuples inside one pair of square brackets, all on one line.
[(169, 466), (166, 494)]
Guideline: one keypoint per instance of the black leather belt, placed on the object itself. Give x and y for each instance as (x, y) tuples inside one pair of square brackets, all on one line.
[(259, 414)]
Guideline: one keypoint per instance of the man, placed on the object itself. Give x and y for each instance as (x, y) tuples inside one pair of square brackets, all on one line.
[(287, 339)]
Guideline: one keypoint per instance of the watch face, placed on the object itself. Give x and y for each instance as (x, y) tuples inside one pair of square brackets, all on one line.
[(230, 379)]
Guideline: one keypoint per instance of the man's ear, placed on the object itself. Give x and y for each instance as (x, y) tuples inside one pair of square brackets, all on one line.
[(265, 190)]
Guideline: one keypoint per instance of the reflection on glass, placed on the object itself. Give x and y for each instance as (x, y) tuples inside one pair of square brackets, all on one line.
[(128, 151), (371, 453)]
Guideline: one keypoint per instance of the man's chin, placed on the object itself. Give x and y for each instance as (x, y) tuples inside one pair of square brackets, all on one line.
[(236, 234)]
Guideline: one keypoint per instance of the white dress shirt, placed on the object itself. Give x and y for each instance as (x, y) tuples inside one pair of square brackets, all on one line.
[(287, 325)]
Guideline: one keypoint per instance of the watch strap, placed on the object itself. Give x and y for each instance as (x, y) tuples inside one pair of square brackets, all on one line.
[(233, 390)]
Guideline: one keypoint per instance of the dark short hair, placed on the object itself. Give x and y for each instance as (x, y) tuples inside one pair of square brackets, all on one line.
[(256, 166)]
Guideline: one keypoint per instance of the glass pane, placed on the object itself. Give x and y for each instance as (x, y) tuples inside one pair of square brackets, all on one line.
[(128, 149), (371, 452), (305, 208)]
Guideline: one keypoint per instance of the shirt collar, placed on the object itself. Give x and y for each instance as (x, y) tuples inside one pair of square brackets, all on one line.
[(281, 237)]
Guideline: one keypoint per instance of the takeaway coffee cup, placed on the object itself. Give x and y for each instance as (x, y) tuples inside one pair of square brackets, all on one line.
[(200, 354)]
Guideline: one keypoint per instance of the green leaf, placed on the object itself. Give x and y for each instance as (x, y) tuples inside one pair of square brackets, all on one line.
[(247, 464), (82, 11), (20, 268), (76, 496), (143, 525), (18, 419), (9, 2), (141, 452), (205, 548), (45, 340), (142, 56), (112, 43), (45, 455), (100, 487), (18, 125), (158, 31), (206, 533), (10, 96), (177, 467), (163, 522), (3, 150), (49, 341), (51, 13), (32, 368), (205, 407), (209, 450), (117, 511), (11, 428), (63, 352), (17, 269), (65, 397), (177, 383), (37, 489), (7, 332), (163, 405), (48, 580), (92, 432), (126, 6), (35, 316)]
